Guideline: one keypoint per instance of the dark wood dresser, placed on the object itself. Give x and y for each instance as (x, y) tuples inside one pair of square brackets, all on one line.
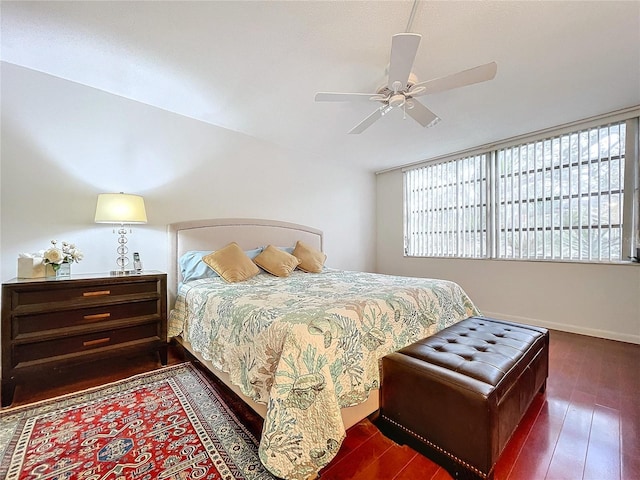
[(50, 323)]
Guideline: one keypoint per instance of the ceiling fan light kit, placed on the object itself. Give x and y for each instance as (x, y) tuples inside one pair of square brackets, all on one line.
[(403, 86), (397, 100)]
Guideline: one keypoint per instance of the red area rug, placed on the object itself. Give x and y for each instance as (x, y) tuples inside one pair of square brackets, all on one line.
[(167, 424)]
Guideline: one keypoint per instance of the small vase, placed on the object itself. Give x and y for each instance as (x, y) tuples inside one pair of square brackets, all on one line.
[(64, 270)]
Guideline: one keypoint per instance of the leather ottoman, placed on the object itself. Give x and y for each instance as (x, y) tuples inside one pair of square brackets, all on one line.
[(458, 395)]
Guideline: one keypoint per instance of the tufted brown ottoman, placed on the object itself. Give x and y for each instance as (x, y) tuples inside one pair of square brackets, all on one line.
[(458, 395)]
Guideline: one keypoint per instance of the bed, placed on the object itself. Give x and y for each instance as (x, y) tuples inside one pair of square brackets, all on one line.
[(302, 350)]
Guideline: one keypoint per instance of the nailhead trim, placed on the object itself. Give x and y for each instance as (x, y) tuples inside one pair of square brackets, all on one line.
[(436, 447)]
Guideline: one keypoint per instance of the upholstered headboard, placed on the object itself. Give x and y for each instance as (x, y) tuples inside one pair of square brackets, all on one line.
[(249, 233)]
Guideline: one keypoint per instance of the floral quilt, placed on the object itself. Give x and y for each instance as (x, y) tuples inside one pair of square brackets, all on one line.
[(308, 345)]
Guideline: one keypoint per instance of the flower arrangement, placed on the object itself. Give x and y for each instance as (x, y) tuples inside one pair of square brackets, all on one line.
[(56, 256)]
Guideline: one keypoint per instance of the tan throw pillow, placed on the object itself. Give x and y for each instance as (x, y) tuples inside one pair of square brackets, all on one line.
[(311, 260), (231, 263), (277, 262)]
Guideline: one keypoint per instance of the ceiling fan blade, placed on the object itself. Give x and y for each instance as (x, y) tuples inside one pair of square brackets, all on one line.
[(404, 47), (342, 97), (422, 114), (457, 80), (367, 122)]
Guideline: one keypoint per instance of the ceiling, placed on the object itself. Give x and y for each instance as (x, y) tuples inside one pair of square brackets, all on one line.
[(254, 67)]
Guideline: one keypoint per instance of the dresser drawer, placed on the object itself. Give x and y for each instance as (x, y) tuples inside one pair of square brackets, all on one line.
[(83, 343), (65, 292), (26, 325)]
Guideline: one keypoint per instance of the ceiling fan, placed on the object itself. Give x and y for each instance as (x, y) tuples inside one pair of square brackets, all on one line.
[(403, 85)]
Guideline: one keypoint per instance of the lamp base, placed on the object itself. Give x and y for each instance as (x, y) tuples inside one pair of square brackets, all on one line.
[(124, 272)]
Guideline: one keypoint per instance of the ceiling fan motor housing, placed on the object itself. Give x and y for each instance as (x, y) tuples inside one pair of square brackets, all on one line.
[(399, 97)]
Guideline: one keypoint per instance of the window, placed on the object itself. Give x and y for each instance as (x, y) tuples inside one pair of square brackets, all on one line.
[(562, 197), (446, 205), (559, 197)]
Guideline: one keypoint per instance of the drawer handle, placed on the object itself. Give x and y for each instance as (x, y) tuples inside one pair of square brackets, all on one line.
[(96, 342), (96, 293), (97, 316)]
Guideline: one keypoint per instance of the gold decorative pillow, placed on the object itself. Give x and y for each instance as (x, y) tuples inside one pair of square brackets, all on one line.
[(231, 263), (277, 262), (311, 260)]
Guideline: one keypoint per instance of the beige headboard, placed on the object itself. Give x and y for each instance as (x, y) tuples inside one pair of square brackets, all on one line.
[(249, 233)]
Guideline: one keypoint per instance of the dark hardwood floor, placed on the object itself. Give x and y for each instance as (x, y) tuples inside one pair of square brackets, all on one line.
[(586, 425)]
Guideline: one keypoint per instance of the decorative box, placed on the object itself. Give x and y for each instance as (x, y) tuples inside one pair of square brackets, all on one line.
[(31, 267)]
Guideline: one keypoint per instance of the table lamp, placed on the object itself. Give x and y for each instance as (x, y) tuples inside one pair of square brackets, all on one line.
[(123, 209)]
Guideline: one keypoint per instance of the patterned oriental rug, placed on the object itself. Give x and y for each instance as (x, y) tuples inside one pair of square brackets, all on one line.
[(167, 424)]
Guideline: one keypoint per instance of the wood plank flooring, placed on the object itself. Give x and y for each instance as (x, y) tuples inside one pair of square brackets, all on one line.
[(586, 426)]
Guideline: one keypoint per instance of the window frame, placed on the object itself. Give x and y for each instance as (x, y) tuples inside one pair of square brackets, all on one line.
[(631, 196)]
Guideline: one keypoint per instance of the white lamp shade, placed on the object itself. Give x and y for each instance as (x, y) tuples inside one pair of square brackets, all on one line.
[(120, 208)]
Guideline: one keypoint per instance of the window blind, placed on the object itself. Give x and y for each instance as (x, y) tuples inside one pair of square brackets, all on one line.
[(446, 208), (555, 197), (562, 197)]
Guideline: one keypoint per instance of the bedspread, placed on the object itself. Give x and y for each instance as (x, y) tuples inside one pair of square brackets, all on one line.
[(308, 345)]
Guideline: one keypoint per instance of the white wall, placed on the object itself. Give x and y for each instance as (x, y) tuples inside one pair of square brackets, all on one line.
[(593, 299), (63, 143)]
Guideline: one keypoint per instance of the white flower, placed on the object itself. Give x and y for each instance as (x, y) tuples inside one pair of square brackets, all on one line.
[(53, 255), (67, 254), (76, 255)]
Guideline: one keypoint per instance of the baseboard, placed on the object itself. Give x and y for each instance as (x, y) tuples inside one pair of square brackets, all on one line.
[(566, 327)]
